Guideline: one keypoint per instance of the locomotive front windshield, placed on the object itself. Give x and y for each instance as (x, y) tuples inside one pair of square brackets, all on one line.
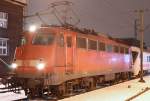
[(43, 39)]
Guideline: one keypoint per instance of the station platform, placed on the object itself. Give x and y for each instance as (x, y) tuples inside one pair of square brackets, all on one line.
[(132, 90)]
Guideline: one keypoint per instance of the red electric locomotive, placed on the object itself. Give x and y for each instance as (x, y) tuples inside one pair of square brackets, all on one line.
[(58, 60)]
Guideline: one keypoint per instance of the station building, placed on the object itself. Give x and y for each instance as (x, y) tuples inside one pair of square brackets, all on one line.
[(11, 26)]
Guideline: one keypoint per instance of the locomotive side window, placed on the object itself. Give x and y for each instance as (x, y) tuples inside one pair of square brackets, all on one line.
[(101, 46), (23, 41), (81, 42), (60, 40), (116, 49), (109, 48), (126, 51), (121, 50), (92, 44), (69, 41), (43, 39)]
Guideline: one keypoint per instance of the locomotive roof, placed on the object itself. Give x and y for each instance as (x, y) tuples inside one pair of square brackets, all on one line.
[(85, 32)]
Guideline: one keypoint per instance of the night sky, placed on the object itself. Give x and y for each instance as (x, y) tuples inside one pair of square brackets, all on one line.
[(113, 17)]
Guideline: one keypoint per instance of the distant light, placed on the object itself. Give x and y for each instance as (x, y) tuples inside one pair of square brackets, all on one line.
[(32, 28)]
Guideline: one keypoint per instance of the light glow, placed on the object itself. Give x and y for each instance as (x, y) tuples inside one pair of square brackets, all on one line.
[(32, 28), (14, 65), (40, 66)]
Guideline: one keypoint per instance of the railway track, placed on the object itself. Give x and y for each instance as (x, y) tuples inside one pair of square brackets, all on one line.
[(8, 88), (138, 94), (4, 89)]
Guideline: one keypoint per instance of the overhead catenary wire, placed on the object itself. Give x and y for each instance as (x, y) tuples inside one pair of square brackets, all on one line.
[(52, 9)]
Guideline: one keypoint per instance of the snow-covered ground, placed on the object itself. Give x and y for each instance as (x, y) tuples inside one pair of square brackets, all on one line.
[(10, 96), (119, 92)]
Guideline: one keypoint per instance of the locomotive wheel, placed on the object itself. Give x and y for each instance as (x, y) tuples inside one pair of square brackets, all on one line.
[(31, 94), (92, 83), (100, 80), (88, 84), (46, 93), (117, 77), (69, 88), (61, 90), (127, 76)]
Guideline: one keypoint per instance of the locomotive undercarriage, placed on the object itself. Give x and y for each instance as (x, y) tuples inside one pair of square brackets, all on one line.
[(36, 87)]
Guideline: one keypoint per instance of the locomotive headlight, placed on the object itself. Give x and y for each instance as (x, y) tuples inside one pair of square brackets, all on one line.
[(32, 28), (14, 65), (40, 66)]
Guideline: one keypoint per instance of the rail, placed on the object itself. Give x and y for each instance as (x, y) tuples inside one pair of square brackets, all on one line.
[(138, 94)]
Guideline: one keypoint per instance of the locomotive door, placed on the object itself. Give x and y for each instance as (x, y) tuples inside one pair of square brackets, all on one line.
[(69, 54), (64, 52), (60, 51)]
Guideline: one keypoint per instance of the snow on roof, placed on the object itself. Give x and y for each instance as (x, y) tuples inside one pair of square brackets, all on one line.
[(119, 92)]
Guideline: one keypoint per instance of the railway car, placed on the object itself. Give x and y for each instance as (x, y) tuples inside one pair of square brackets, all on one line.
[(137, 62), (57, 60)]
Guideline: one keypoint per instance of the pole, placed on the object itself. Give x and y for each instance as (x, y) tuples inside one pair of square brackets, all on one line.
[(135, 28), (141, 16)]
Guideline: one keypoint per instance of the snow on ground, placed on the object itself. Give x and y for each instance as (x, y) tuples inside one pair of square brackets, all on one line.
[(10, 96), (119, 92)]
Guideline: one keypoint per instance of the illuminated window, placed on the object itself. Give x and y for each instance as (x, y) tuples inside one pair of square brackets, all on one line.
[(92, 44), (3, 47), (3, 20)]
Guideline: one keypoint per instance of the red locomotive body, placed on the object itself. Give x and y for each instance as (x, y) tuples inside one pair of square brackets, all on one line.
[(56, 59)]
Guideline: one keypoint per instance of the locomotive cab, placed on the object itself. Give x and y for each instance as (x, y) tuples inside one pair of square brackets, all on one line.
[(35, 56), (45, 56)]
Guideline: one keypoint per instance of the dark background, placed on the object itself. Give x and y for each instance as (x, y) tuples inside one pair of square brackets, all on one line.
[(113, 17)]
